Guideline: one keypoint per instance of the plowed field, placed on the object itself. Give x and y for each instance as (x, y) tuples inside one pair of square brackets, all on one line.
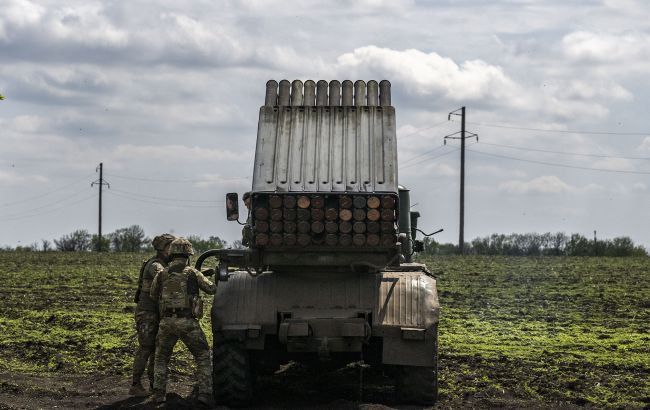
[(514, 333)]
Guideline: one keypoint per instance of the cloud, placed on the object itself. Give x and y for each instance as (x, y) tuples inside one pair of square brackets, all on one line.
[(16, 15), (210, 180), (27, 123), (596, 89), (645, 145), (498, 171), (85, 25), (549, 184), (587, 46), (176, 153), (614, 164), (427, 74), (13, 178)]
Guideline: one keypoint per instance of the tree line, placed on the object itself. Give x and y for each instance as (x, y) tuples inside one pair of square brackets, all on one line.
[(134, 239), (536, 244), (128, 239)]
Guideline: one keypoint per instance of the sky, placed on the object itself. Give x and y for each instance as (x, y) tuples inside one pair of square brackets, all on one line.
[(166, 95)]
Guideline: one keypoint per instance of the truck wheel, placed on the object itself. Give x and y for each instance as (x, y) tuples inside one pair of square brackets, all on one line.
[(416, 384), (232, 379)]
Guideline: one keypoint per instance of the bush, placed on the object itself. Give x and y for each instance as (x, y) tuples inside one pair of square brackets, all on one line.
[(78, 240)]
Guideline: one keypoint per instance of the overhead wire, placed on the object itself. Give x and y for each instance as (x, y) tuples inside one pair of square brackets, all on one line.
[(162, 197), (422, 129), (430, 159), (178, 181), (153, 202), (562, 153), (512, 127), (423, 154), (26, 211), (76, 181), (49, 211), (560, 165)]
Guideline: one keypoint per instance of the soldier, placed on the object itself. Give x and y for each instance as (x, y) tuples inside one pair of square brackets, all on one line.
[(147, 316), (176, 290), (247, 231)]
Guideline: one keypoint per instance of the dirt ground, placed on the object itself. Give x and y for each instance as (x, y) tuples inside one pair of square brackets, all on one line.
[(289, 389)]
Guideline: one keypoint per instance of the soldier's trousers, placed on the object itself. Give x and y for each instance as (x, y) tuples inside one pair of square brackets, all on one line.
[(146, 324), (189, 331)]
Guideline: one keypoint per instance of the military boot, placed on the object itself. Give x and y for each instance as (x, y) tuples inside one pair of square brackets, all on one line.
[(138, 391), (159, 397), (206, 400), (194, 395)]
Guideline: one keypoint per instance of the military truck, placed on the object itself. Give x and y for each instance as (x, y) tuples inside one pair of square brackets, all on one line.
[(328, 274)]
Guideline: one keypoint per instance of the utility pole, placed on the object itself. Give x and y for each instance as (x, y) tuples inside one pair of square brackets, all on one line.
[(461, 228), (100, 183)]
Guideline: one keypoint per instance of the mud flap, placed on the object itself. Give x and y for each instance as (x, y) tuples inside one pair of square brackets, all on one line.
[(406, 347)]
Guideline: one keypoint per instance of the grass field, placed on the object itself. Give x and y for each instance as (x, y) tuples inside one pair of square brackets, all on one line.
[(553, 331)]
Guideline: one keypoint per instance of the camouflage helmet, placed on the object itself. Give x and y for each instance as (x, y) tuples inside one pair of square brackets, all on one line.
[(160, 241), (181, 246)]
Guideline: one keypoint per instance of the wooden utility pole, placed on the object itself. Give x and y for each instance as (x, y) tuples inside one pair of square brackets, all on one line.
[(100, 182), (461, 227)]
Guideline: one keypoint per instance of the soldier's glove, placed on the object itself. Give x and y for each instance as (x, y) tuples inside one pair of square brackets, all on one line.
[(207, 272)]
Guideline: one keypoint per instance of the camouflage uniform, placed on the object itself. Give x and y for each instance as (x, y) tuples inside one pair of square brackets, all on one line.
[(147, 316), (170, 288)]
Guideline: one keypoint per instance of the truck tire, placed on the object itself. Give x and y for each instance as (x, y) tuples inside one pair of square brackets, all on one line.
[(232, 380), (417, 384)]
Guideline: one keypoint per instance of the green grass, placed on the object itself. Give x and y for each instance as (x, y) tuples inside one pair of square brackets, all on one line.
[(71, 312), (574, 330), (551, 330)]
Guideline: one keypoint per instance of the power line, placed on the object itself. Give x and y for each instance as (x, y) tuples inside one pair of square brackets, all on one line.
[(483, 124), (562, 153), (48, 192), (423, 154), (430, 159), (179, 181), (159, 203), (50, 210), (620, 171), (162, 198), (27, 211), (423, 129)]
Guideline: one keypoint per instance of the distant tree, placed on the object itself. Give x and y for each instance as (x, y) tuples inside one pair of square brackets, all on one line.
[(201, 245), (431, 247), (481, 246), (78, 240), (103, 245), (578, 245), (46, 245), (622, 246), (130, 239), (27, 248), (2, 97), (557, 244)]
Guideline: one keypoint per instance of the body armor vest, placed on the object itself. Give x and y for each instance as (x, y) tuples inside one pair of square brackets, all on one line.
[(144, 301), (174, 288)]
